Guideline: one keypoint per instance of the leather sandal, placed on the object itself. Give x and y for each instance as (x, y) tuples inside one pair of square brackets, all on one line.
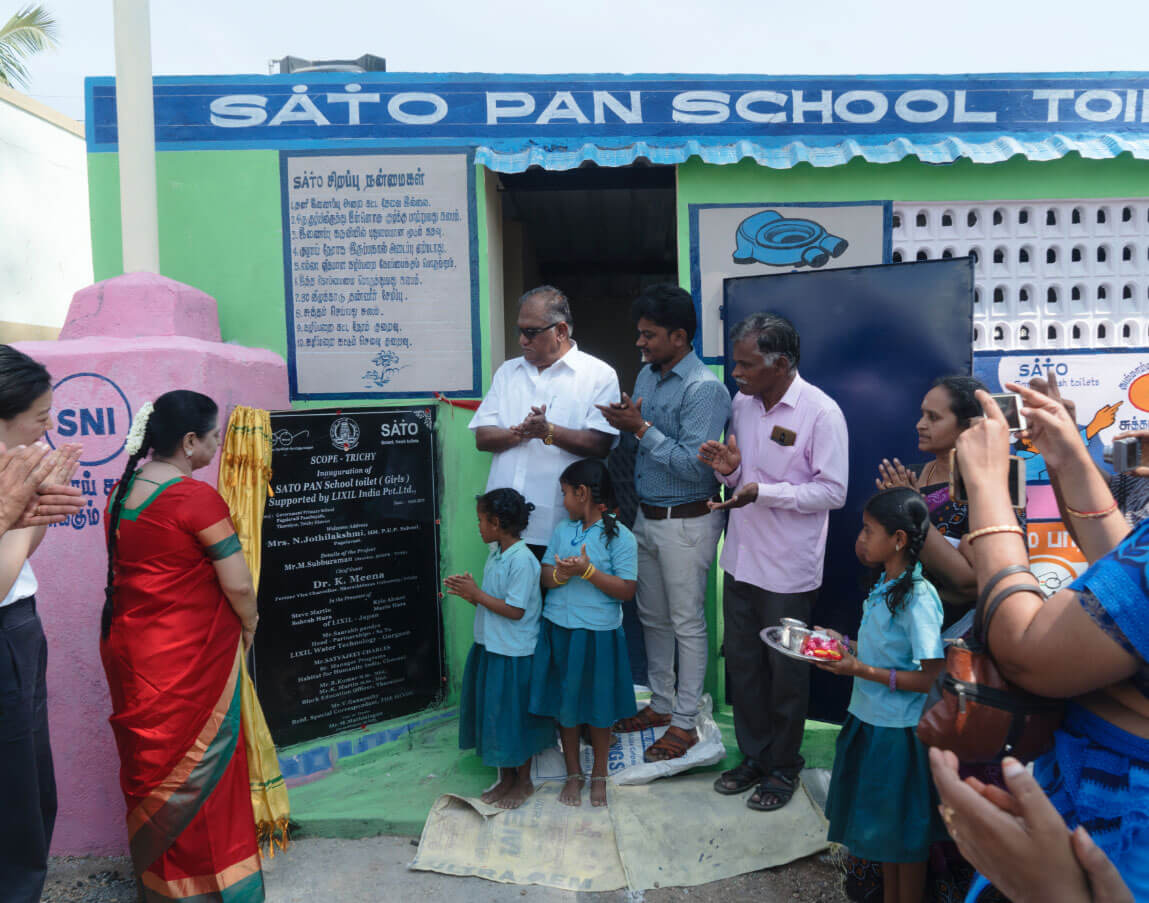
[(671, 745), (776, 785), (647, 717), (739, 779)]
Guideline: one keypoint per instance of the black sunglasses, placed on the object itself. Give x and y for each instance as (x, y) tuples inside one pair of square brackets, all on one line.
[(532, 332)]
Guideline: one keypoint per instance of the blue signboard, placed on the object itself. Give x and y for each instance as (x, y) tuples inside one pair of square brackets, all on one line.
[(615, 111)]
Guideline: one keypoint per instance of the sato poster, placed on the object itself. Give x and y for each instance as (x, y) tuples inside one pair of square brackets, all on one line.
[(1110, 390), (728, 240), (381, 262), (1110, 393)]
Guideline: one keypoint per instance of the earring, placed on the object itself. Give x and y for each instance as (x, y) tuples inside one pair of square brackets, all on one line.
[(898, 547), (189, 454)]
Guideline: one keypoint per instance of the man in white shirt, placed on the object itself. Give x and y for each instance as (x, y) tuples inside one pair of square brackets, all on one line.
[(540, 414)]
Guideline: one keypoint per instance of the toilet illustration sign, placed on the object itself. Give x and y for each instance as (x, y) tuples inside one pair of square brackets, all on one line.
[(90, 409), (732, 240)]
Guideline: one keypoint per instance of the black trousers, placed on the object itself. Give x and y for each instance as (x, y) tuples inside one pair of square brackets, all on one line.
[(769, 692), (27, 780)]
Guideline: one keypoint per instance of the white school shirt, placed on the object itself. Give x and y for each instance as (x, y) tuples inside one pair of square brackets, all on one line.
[(570, 388), (24, 586)]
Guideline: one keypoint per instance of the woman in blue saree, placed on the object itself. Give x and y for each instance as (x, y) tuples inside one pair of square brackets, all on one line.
[(1088, 643)]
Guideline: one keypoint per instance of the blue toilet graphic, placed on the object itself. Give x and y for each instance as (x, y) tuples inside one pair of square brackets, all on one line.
[(770, 238)]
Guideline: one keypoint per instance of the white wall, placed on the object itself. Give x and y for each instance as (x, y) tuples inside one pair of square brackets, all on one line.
[(45, 230)]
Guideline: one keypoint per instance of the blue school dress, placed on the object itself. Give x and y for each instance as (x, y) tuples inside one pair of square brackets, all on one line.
[(582, 670), (494, 719), (882, 802)]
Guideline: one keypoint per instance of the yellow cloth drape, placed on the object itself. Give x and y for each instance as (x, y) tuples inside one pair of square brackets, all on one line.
[(245, 483)]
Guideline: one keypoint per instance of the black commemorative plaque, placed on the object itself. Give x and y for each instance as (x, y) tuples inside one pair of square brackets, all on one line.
[(350, 630)]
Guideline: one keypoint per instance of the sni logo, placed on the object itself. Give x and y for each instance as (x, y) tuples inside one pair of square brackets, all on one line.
[(92, 410)]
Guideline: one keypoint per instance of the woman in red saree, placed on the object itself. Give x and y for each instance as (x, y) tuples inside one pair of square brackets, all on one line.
[(179, 614)]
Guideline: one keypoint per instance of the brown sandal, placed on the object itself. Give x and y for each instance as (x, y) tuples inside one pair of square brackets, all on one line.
[(671, 745), (646, 717)]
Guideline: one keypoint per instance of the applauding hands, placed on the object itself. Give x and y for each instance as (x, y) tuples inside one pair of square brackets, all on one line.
[(726, 458), (534, 425), (572, 566), (463, 586), (35, 485)]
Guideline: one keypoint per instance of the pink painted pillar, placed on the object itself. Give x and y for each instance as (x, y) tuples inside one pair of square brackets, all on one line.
[(125, 341)]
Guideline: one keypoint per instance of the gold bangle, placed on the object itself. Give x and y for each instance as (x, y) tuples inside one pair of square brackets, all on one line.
[(1090, 515), (1000, 528), (589, 572), (550, 437), (555, 578)]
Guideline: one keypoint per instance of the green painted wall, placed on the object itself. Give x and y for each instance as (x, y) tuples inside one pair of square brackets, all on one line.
[(221, 231)]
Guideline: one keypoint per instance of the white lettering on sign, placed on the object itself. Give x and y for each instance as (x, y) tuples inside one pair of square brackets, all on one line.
[(701, 106), (353, 99), (820, 107)]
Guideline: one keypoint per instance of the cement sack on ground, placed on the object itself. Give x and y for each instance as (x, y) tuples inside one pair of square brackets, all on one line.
[(625, 764), (682, 833), (542, 842), (668, 833)]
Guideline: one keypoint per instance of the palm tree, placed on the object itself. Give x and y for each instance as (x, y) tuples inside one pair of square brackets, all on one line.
[(31, 30)]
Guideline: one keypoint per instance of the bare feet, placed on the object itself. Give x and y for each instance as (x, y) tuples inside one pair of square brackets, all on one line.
[(517, 795), (506, 783), (598, 791), (571, 794)]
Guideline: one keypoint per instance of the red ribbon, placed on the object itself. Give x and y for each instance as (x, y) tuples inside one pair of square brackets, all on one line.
[(471, 404)]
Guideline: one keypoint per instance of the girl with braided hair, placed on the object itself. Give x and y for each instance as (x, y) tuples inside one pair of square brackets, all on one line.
[(179, 613), (493, 715), (582, 670), (882, 803)]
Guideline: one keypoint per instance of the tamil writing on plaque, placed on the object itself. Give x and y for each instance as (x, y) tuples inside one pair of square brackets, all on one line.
[(379, 269), (350, 630)]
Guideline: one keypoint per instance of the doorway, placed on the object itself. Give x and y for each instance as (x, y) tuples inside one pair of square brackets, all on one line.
[(599, 234)]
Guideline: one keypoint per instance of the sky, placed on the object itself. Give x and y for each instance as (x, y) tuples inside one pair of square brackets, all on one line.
[(218, 37)]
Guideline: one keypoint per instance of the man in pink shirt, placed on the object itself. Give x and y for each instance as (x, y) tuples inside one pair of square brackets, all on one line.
[(787, 454)]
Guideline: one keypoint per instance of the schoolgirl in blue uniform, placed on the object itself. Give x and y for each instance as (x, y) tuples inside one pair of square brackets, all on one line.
[(882, 803), (493, 713), (581, 670)]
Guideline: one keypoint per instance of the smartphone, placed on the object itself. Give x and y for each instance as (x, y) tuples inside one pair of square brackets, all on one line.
[(1010, 405), (1016, 482), (1124, 454)]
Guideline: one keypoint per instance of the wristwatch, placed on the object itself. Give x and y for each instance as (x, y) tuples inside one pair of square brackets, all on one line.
[(641, 431), (550, 437)]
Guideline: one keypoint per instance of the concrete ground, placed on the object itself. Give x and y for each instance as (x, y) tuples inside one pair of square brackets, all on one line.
[(387, 792), (375, 869)]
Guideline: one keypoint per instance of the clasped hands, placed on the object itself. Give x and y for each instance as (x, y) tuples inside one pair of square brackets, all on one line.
[(534, 425), (35, 485), (726, 458), (571, 566)]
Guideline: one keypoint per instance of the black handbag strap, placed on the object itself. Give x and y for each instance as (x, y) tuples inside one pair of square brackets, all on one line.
[(991, 609), (980, 624)]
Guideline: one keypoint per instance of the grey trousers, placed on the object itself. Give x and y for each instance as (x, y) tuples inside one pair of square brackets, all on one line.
[(674, 557), (770, 692)]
